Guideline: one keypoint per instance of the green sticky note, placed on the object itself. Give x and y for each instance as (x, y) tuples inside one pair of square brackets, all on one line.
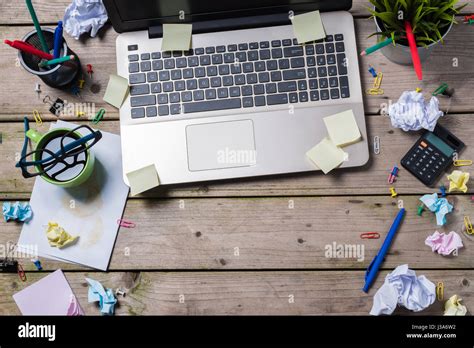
[(143, 179), (117, 90), (326, 156), (176, 37), (308, 27)]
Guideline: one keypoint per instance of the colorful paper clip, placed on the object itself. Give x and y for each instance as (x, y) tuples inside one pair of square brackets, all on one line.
[(443, 90), (393, 192), (440, 291), (420, 210), (372, 71), (376, 144), (370, 235), (442, 188), (99, 116), (21, 273), (125, 223), (462, 163), (393, 175), (468, 224), (37, 117), (376, 90)]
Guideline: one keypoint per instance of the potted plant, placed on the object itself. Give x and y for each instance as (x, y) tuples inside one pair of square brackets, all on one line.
[(431, 20)]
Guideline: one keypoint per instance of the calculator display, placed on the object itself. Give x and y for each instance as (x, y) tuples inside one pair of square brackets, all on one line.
[(447, 150)]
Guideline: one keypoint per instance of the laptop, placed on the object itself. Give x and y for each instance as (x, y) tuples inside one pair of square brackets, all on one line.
[(247, 99)]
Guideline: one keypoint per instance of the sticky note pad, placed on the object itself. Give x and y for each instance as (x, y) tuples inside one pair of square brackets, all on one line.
[(342, 128), (308, 27), (176, 37), (326, 156), (117, 90), (143, 179)]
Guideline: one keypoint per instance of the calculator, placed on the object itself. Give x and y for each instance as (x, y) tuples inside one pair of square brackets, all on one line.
[(432, 154)]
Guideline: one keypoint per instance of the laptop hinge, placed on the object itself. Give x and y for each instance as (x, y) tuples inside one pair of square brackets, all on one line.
[(229, 24)]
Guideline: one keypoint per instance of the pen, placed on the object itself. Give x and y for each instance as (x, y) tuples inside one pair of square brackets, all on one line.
[(414, 50), (376, 47), (374, 266), (37, 26), (58, 39), (25, 47), (55, 61)]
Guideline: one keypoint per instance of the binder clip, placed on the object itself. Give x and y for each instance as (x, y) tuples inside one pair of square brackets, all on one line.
[(393, 192), (125, 223), (468, 225), (89, 70), (372, 71), (376, 144), (38, 89), (440, 291), (56, 107), (10, 265), (37, 264), (121, 292), (420, 210), (370, 235), (442, 188), (393, 175), (376, 90), (462, 163), (99, 116), (444, 90), (37, 117)]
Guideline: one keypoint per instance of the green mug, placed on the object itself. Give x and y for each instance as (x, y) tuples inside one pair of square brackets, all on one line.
[(55, 135)]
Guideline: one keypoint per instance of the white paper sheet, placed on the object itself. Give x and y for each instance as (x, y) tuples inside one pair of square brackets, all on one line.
[(90, 210)]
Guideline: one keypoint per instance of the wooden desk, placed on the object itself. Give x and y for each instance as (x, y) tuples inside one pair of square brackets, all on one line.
[(237, 247)]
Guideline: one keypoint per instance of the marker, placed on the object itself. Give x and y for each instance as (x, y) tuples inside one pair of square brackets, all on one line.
[(414, 50), (376, 47), (58, 39), (374, 266), (37, 26), (25, 47), (56, 61)]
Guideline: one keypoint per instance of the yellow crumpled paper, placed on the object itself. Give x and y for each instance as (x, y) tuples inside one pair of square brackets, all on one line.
[(58, 237), (453, 306), (458, 181)]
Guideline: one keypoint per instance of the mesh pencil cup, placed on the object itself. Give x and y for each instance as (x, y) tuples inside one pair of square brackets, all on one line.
[(58, 76)]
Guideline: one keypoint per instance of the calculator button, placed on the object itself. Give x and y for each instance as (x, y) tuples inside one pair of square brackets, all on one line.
[(423, 144)]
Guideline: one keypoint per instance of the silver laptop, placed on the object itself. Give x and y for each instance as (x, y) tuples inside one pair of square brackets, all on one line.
[(246, 100)]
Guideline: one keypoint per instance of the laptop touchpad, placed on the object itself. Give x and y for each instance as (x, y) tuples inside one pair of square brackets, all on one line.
[(221, 145)]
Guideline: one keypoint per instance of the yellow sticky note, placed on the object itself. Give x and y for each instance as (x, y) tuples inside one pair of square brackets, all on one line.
[(308, 27), (176, 37), (453, 306), (58, 237), (326, 156), (458, 181), (143, 179), (117, 90), (342, 128)]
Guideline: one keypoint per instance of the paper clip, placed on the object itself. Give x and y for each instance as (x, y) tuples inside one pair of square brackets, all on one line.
[(440, 291), (393, 192), (370, 235), (376, 144), (37, 117), (21, 273), (468, 224), (443, 90), (420, 210), (125, 223), (393, 175), (376, 90), (462, 163), (99, 116)]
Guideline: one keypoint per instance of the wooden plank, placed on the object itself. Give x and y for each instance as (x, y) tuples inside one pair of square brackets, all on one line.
[(101, 54), (241, 293), (14, 11), (394, 144), (273, 233)]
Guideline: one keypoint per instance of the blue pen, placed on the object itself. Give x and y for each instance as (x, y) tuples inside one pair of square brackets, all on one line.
[(374, 266), (58, 39)]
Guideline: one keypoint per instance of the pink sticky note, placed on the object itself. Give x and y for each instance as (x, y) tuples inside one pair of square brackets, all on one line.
[(51, 295)]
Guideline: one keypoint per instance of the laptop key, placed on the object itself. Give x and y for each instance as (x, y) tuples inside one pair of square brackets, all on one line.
[(162, 98), (188, 73), (323, 83), (313, 84), (259, 66), (138, 112), (275, 75), (229, 58), (263, 77), (275, 99), (212, 105), (211, 70), (239, 79), (293, 97), (332, 70), (272, 65), (264, 44), (252, 78), (175, 109), (186, 96), (344, 83), (259, 100), (339, 37), (324, 93), (247, 90), (236, 68), (136, 78), (294, 74), (322, 71), (329, 48), (287, 86), (247, 102), (314, 95), (294, 51), (151, 111), (156, 55), (321, 60), (174, 97), (271, 88), (310, 61), (329, 38), (286, 42), (133, 68), (152, 76), (224, 69), (340, 47), (166, 54), (133, 57), (247, 67), (163, 110), (276, 43), (145, 66), (155, 88), (309, 50), (312, 72), (222, 93), (142, 100), (284, 64), (234, 91), (193, 61), (334, 93), (217, 59), (258, 89), (297, 62), (341, 64), (139, 89), (204, 83), (331, 59), (199, 72), (333, 82), (303, 96), (243, 47), (216, 82), (253, 45), (181, 62), (302, 85), (145, 56), (241, 56), (228, 80), (277, 53), (198, 95), (210, 94), (179, 85), (168, 86), (265, 54), (232, 48), (164, 75), (210, 50), (205, 60), (191, 84), (319, 49), (220, 49), (157, 64), (199, 51), (252, 55)]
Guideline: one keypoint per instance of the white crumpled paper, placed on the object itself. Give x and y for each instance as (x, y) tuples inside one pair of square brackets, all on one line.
[(411, 112), (84, 16), (404, 288)]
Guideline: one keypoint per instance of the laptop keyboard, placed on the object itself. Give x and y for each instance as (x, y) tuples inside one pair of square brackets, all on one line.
[(236, 76)]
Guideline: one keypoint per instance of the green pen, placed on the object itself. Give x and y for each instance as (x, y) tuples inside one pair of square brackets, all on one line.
[(37, 26), (55, 61), (377, 46)]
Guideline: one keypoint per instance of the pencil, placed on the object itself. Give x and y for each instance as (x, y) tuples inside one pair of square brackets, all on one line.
[(37, 26), (414, 50), (377, 47), (55, 61)]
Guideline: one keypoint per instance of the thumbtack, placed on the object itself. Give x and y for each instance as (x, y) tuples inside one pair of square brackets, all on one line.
[(372, 71), (392, 176), (418, 90), (393, 192), (468, 18), (80, 113), (81, 83), (89, 70), (76, 91), (444, 90), (442, 188), (38, 89), (420, 210), (37, 264)]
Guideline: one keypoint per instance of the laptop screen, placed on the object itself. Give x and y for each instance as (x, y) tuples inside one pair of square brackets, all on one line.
[(134, 15)]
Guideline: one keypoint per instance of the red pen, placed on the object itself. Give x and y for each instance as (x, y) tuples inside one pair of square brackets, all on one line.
[(414, 50), (25, 47)]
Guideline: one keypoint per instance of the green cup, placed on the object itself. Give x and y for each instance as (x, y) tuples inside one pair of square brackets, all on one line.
[(53, 137)]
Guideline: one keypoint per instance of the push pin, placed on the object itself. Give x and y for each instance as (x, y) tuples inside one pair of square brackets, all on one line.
[(470, 22), (393, 192), (89, 70), (372, 71), (418, 90), (442, 188), (420, 210), (393, 175), (121, 292), (468, 18), (37, 264), (76, 91), (80, 113), (81, 83), (444, 90), (38, 89)]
